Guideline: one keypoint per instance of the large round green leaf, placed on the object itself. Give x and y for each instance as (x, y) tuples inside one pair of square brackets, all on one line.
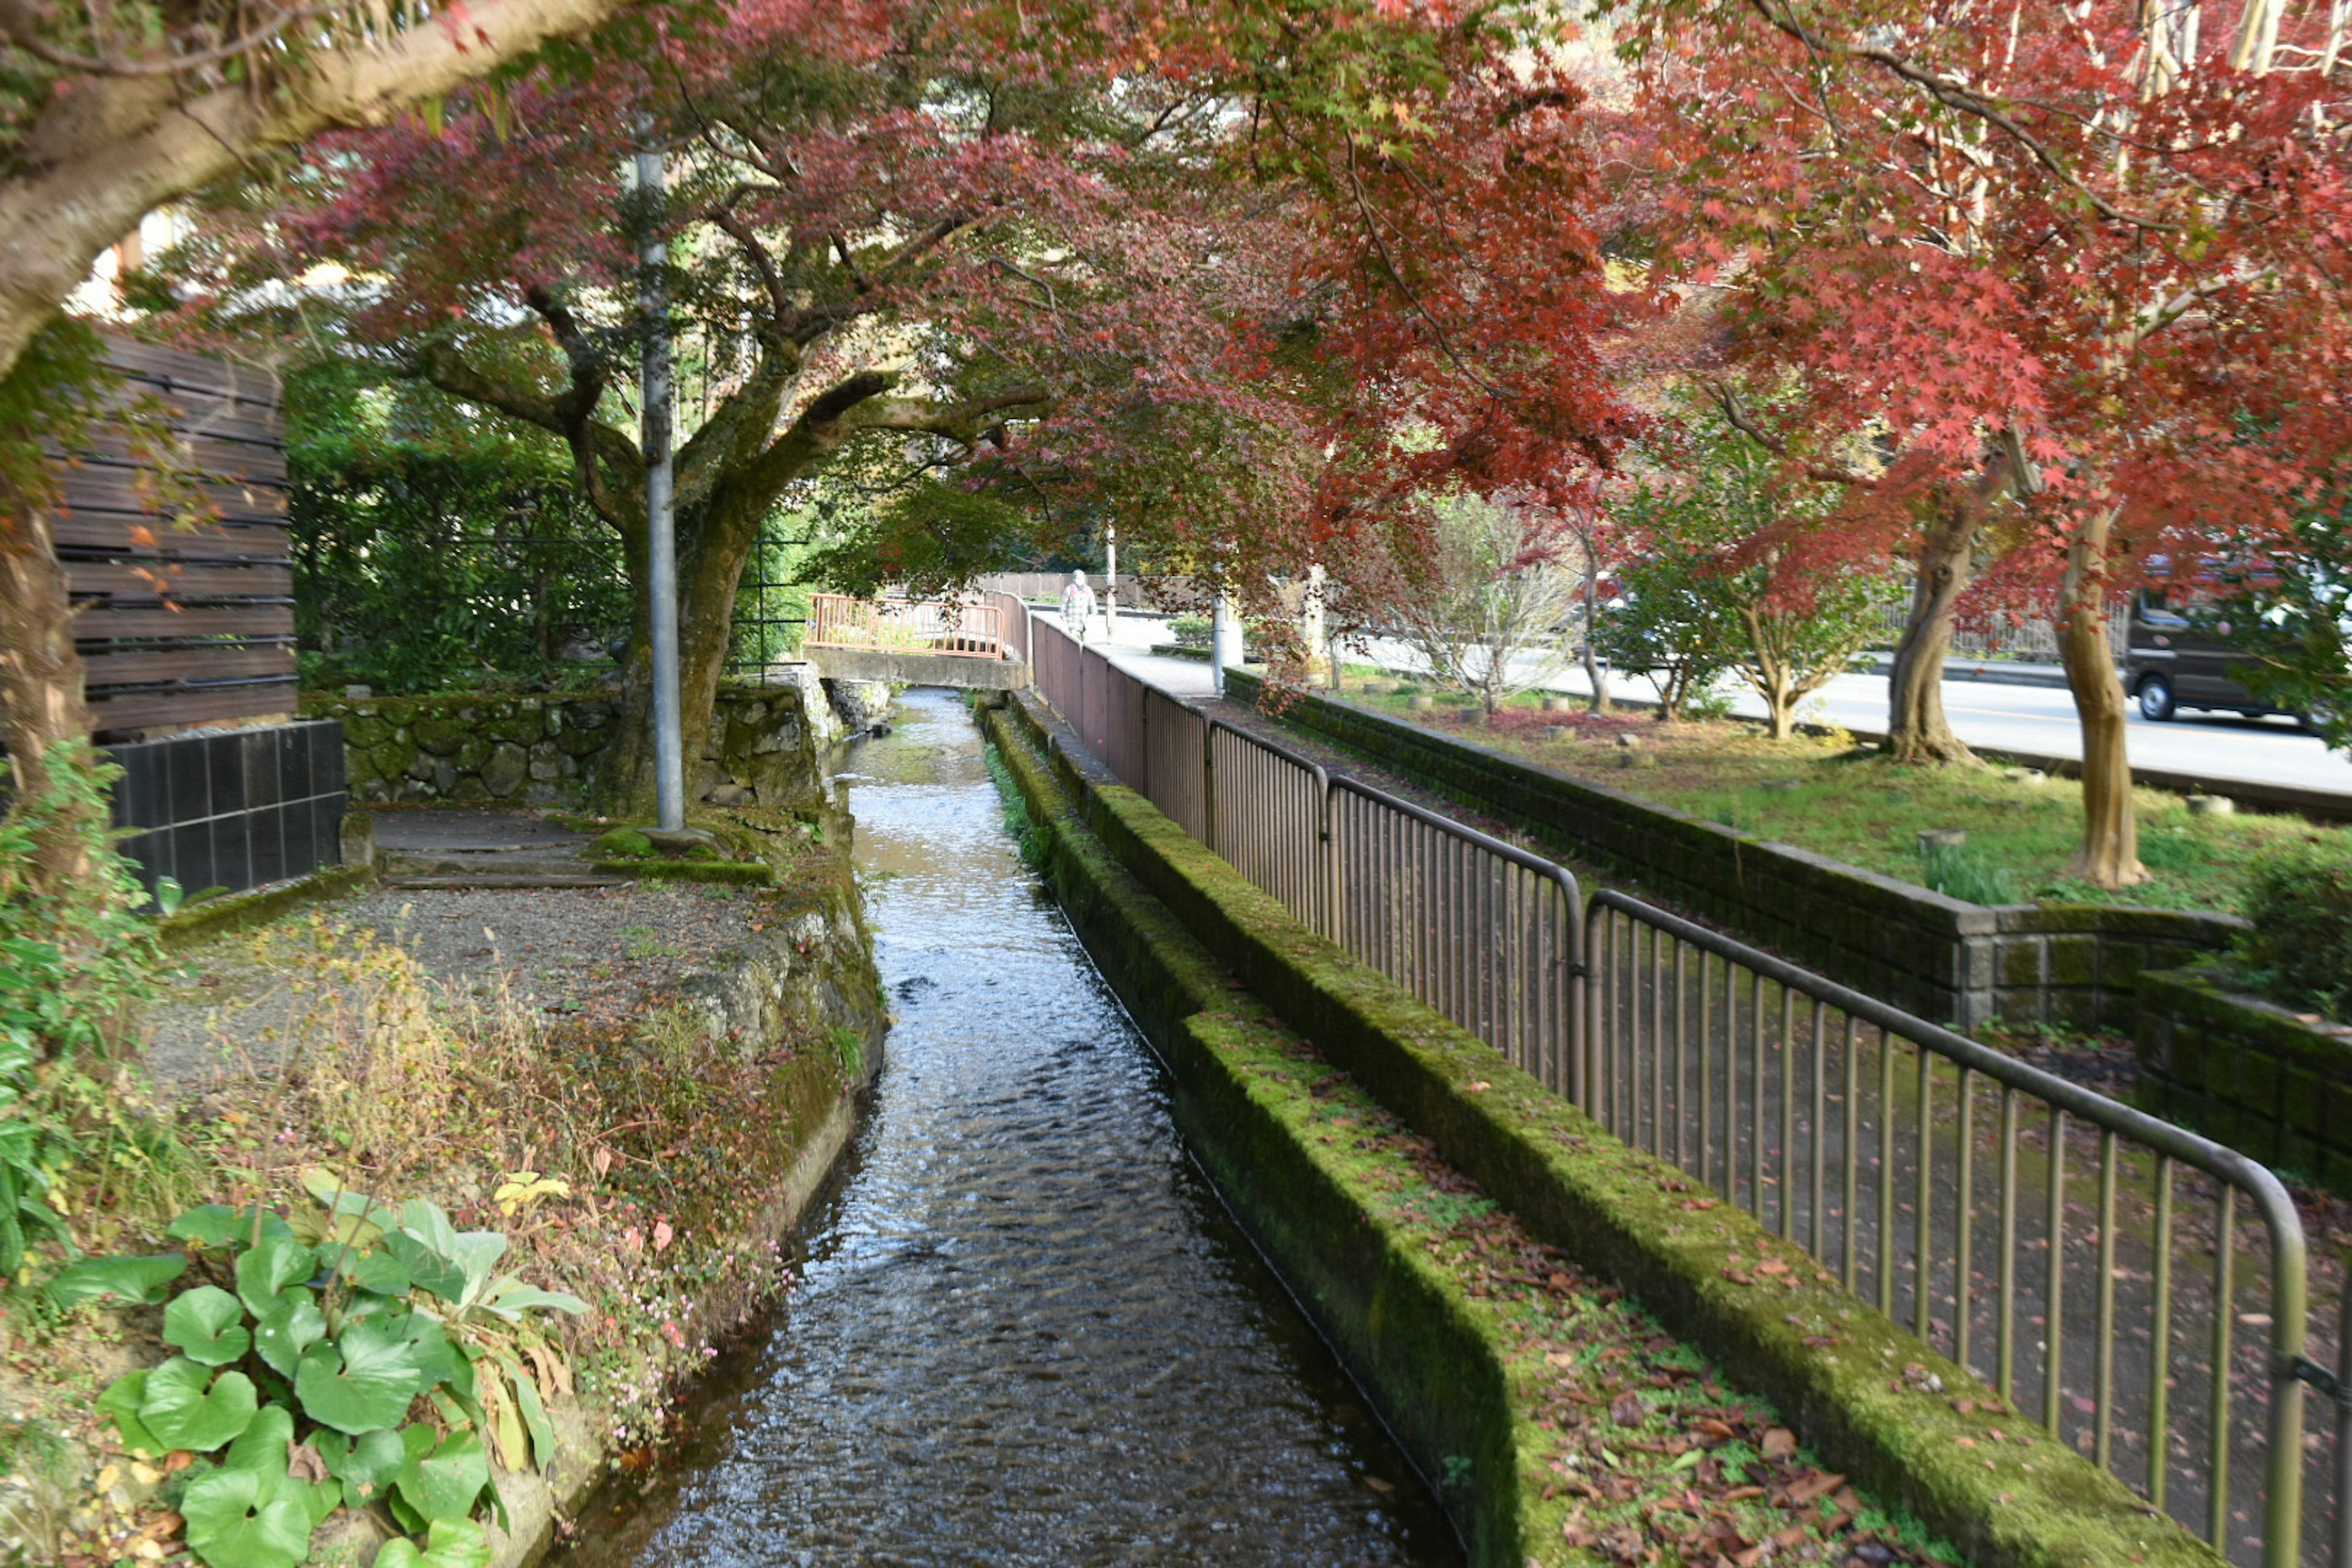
[(185, 1406), (453, 1543), (243, 1519), (121, 1401), (283, 1335), (363, 1380), (263, 1446), (139, 1279), (377, 1270), (365, 1464), (443, 1479), (264, 1273), (218, 1225), (207, 1323)]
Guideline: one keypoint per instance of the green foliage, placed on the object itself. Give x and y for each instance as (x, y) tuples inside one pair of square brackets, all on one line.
[(848, 1051), (2287, 615), (47, 398), (304, 1344), (436, 557), (73, 963), (1191, 631), (927, 537), (1733, 573), (1958, 871), (1670, 623), (2299, 951)]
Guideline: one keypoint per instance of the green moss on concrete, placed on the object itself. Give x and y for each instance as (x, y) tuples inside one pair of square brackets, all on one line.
[(239, 911), (753, 873), (1874, 1399), (621, 843), (2247, 1072)]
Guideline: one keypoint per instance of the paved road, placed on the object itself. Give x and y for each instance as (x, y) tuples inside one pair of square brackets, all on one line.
[(2036, 719)]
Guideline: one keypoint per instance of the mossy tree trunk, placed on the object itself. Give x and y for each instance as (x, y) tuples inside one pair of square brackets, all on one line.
[(41, 706), (2109, 854), (1917, 729)]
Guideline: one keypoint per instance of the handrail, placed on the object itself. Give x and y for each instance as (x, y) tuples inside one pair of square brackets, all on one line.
[(2289, 1287)]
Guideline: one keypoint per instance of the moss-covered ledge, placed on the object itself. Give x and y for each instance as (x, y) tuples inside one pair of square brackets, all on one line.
[(242, 911), (2273, 1083), (1860, 1392)]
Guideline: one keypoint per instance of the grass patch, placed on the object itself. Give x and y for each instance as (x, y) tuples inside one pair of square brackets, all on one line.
[(1824, 796)]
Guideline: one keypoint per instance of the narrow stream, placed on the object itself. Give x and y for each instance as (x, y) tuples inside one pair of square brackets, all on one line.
[(1026, 1332)]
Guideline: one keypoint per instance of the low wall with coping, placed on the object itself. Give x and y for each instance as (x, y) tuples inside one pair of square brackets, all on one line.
[(2271, 1082), (1940, 957)]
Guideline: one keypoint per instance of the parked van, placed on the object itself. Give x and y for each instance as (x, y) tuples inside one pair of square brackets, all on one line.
[(2174, 660)]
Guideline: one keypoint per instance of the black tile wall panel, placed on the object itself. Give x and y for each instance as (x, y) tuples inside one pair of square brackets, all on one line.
[(236, 809), (301, 836), (262, 782), (265, 844), (191, 780)]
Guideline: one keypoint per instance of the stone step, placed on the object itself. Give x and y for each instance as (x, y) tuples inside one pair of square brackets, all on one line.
[(470, 863)]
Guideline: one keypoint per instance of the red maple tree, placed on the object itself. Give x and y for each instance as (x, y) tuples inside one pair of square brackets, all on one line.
[(2081, 261)]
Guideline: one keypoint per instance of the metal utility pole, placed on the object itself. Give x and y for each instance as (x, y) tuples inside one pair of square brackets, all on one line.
[(661, 531), (1110, 583)]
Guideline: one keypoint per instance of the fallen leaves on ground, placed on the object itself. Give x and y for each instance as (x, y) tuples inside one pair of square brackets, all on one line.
[(1654, 1462)]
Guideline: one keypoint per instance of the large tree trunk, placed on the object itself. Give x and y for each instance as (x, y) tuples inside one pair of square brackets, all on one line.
[(41, 699), (1917, 729), (2109, 856)]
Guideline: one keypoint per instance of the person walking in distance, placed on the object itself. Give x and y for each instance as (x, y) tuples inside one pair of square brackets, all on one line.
[(1077, 605)]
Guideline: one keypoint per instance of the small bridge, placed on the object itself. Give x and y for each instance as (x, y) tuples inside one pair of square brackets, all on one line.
[(980, 644)]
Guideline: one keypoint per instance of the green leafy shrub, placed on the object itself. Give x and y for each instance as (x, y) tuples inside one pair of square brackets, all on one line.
[(73, 964), (1191, 631), (2299, 951), (1960, 872), (435, 554), (355, 1355)]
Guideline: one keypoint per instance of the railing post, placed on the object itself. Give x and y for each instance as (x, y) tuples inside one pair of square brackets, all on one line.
[(1334, 884), (2290, 1306), (1209, 784)]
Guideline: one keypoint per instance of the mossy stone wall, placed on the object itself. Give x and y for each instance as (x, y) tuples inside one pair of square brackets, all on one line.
[(1955, 962), (1821, 1355), (2272, 1083), (540, 750)]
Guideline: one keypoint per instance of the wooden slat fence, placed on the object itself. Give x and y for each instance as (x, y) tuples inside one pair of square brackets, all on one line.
[(185, 617)]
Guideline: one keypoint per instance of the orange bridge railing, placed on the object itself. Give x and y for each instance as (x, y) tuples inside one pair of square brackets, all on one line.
[(907, 625)]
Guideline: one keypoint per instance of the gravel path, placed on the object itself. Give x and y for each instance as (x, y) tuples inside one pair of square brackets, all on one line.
[(241, 1000)]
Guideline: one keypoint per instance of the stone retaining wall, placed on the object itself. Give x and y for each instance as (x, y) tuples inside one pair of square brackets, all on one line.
[(1948, 960), (503, 749), (2273, 1084), (469, 750)]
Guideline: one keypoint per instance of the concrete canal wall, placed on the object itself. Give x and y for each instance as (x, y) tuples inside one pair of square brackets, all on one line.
[(1238, 1030)]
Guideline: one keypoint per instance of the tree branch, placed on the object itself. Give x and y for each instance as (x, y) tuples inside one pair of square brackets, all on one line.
[(1728, 401), (1952, 94), (100, 157)]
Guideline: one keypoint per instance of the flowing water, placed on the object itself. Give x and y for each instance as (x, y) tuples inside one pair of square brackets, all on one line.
[(1024, 1330)]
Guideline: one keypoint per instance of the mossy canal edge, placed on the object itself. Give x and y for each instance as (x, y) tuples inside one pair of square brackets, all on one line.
[(1152, 906)]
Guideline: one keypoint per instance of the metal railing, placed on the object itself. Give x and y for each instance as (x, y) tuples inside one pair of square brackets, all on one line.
[(2046, 1237), (1993, 633), (959, 630), (2092, 1264)]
